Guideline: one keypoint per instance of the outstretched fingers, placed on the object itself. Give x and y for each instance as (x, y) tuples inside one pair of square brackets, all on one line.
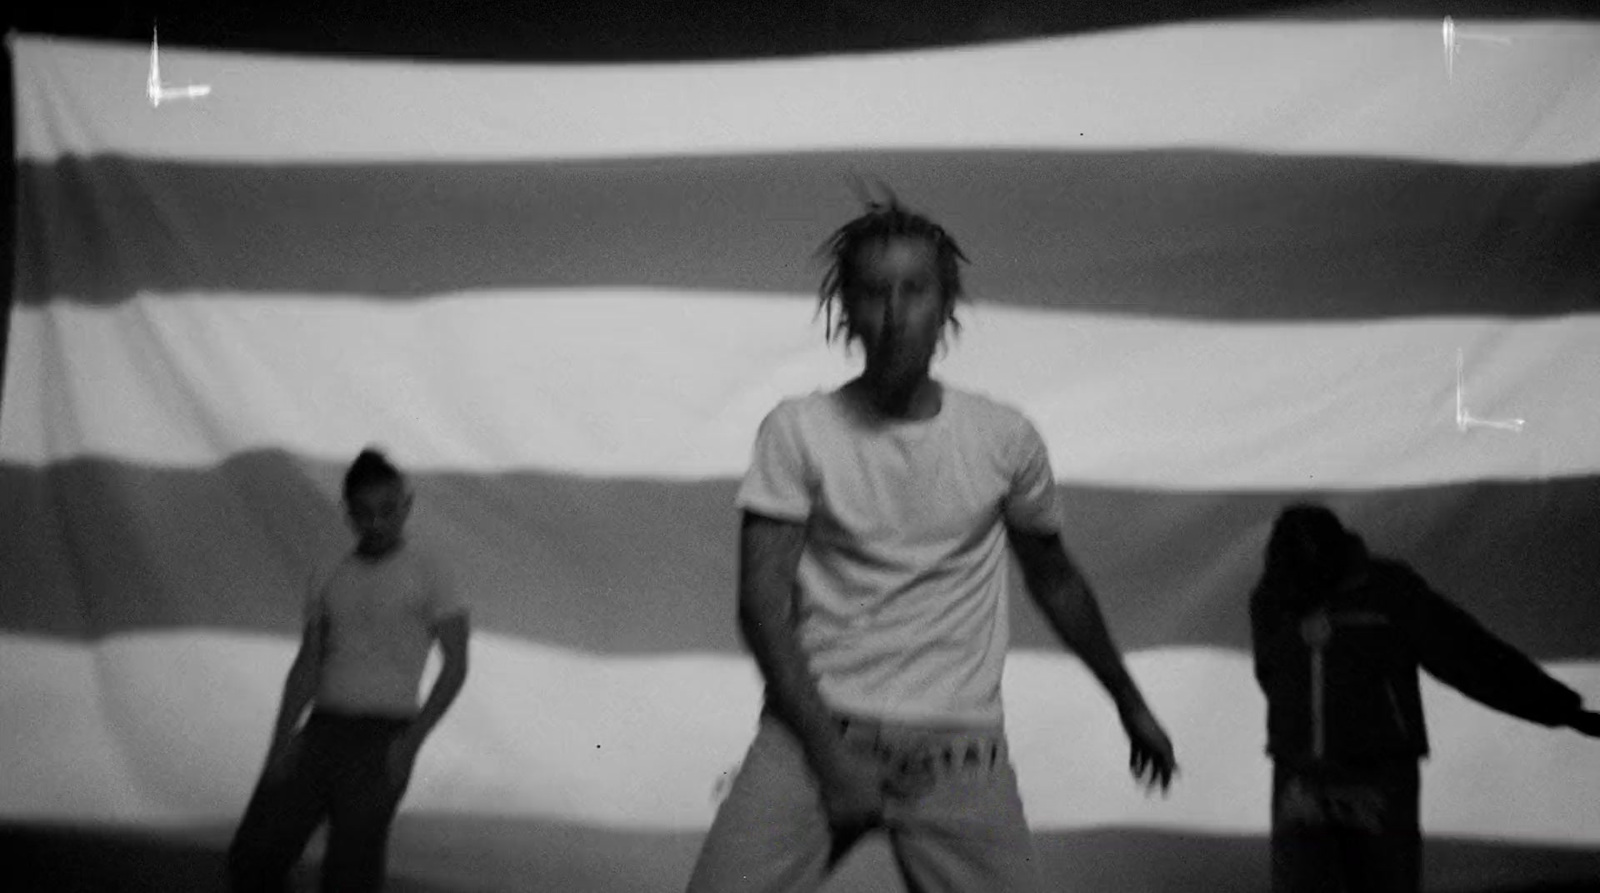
[(1156, 768)]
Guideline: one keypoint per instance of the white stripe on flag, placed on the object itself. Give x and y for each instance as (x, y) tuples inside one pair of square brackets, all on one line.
[(1376, 88), (672, 386), (170, 728)]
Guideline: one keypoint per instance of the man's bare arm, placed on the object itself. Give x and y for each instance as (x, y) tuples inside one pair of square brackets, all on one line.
[(769, 557), (1067, 602), (300, 687), (452, 634)]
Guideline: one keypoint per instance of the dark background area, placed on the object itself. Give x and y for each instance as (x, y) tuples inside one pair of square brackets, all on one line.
[(656, 30)]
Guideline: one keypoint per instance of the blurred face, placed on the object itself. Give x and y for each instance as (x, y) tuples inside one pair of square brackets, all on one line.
[(897, 309), (1316, 558), (1315, 545), (377, 515)]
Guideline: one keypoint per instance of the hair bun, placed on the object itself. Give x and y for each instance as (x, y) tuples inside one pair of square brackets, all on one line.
[(370, 467)]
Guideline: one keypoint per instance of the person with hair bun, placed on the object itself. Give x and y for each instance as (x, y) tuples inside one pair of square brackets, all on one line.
[(369, 625)]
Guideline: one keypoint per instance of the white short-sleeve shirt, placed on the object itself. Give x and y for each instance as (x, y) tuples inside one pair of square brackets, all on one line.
[(379, 619), (904, 576)]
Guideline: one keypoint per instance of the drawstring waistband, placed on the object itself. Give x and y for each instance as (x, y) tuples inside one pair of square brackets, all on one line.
[(915, 758)]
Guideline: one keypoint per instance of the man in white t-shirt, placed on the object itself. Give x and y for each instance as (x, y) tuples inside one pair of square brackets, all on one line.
[(872, 581), (369, 626)]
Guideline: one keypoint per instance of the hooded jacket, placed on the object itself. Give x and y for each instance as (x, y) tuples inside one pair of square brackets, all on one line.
[(1339, 668)]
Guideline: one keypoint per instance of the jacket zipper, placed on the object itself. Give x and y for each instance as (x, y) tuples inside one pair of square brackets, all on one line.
[(1319, 734), (1399, 717)]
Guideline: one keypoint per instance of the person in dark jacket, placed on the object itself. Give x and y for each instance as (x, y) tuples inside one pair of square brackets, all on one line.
[(1339, 635)]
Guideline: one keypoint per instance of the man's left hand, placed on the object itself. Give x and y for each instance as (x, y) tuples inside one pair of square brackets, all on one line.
[(1150, 756)]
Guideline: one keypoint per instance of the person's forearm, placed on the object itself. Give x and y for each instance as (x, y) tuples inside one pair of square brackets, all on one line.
[(1076, 617), (299, 689), (769, 557), (1460, 652), (767, 623), (1067, 602), (452, 677)]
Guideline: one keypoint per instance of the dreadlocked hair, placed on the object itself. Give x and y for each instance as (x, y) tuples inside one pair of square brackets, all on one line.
[(883, 220), (371, 467)]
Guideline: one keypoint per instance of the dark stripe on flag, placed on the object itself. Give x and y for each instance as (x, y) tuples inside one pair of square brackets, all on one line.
[(1207, 235), (91, 548), (625, 31)]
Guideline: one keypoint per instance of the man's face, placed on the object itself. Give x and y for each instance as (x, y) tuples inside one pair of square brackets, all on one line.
[(897, 307), (377, 515)]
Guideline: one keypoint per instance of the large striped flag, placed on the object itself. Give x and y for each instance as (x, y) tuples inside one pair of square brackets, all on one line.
[(1222, 266)]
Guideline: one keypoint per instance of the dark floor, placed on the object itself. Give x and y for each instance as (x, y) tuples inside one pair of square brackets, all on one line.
[(438, 854)]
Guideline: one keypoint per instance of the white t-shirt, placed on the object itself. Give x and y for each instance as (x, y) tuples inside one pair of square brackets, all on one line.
[(379, 618), (902, 583)]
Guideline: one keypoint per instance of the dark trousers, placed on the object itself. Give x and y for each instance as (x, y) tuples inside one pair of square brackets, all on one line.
[(1346, 830), (339, 773)]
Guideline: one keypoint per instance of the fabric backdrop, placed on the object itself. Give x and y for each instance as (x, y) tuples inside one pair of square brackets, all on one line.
[(1222, 266)]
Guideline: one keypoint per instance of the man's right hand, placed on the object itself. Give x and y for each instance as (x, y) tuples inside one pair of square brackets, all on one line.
[(852, 793), (1587, 722)]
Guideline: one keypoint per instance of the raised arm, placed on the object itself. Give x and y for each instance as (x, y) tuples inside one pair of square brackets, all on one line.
[(1460, 652), (1067, 602), (769, 557)]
